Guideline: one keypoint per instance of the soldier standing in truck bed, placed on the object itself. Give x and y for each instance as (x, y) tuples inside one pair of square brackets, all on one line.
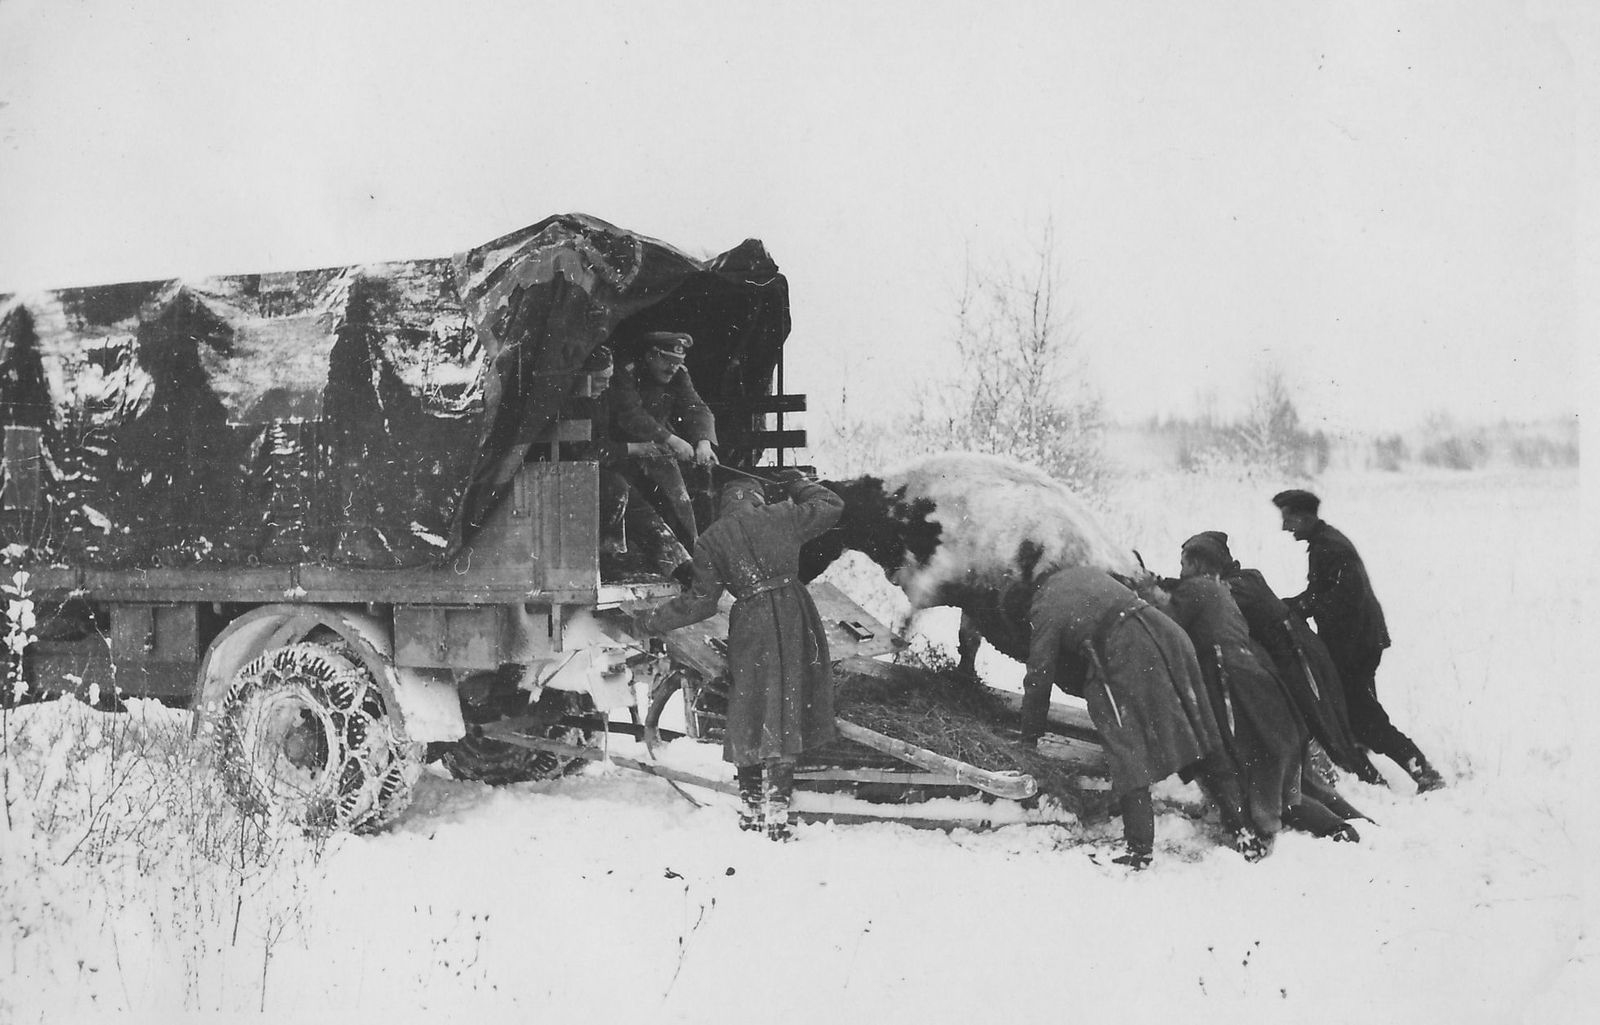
[(781, 701), (655, 401)]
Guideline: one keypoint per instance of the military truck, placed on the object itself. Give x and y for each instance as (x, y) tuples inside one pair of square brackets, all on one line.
[(334, 510)]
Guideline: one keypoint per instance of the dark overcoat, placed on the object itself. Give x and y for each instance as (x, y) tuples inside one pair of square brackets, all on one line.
[(1133, 667), (781, 699), (644, 410), (1261, 730), (1340, 598), (1303, 664)]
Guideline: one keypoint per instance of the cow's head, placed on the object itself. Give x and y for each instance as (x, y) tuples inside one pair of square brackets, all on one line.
[(877, 522)]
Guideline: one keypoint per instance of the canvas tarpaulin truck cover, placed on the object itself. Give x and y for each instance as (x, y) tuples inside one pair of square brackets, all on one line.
[(367, 415)]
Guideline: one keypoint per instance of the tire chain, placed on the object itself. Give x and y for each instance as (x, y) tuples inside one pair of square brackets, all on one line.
[(372, 784)]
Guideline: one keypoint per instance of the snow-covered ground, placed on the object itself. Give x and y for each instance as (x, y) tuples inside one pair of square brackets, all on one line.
[(127, 890)]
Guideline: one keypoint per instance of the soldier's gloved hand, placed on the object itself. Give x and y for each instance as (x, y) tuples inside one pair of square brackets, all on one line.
[(703, 454), (681, 450)]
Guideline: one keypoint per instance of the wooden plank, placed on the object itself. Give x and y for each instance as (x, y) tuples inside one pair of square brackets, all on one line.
[(751, 405), (843, 818), (1073, 718), (612, 595), (852, 631), (186, 583), (765, 439), (942, 779), (591, 754), (1013, 785), (1081, 754), (841, 753)]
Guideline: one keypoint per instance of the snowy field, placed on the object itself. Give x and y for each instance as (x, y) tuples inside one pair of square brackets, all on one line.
[(128, 891)]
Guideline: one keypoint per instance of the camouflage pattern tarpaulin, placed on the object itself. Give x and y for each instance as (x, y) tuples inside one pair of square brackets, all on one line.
[(366, 415)]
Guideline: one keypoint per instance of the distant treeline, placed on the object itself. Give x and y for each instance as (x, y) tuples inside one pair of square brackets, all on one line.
[(1444, 444), (1202, 443)]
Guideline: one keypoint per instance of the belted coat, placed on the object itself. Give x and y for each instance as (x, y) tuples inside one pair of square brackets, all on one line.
[(1261, 729), (781, 700), (1303, 664), (1133, 667)]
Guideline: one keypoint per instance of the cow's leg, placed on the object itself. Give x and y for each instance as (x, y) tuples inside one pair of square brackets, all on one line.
[(900, 633), (968, 641)]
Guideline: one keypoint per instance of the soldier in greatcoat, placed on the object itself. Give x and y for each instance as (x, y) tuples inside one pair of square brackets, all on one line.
[(1298, 654), (1136, 671), (1263, 731), (1350, 621), (781, 701)]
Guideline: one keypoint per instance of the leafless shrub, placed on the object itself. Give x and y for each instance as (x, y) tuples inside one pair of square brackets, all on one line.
[(1020, 390), (105, 808)]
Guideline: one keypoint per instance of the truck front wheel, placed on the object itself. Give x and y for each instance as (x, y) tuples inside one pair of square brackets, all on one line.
[(303, 734)]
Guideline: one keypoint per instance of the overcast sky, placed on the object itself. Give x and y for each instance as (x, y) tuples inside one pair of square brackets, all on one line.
[(1380, 199)]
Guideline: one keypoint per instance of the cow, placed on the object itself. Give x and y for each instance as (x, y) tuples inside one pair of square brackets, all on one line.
[(967, 530)]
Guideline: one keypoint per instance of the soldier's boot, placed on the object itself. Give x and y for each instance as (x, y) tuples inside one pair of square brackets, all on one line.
[(1346, 833), (1138, 829), (1366, 772), (1426, 776), (1252, 845), (1137, 858), (751, 812), (779, 795)]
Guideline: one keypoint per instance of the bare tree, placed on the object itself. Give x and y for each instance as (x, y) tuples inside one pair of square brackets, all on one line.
[(1022, 390), (1270, 435)]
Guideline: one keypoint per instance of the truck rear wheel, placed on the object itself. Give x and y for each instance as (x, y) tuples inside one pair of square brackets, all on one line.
[(303, 734), (480, 759)]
